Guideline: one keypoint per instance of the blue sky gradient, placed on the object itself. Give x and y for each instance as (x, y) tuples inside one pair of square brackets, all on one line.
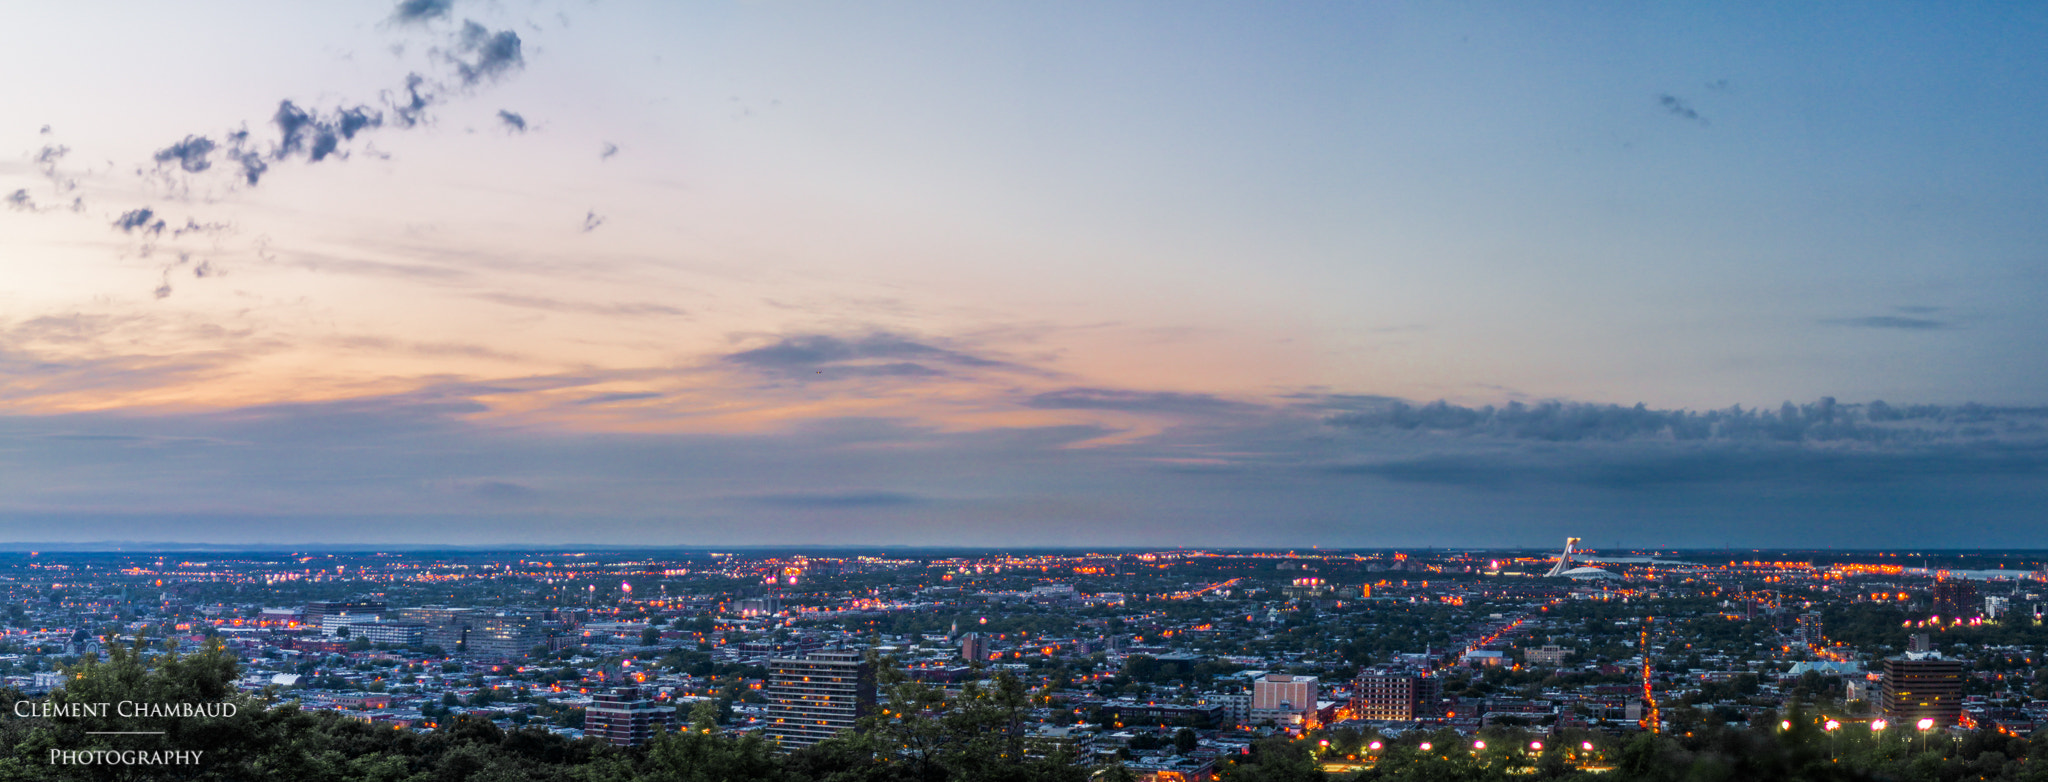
[(1133, 274)]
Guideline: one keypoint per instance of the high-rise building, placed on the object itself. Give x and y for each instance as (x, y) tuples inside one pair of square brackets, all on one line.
[(505, 635), (1955, 598), (1920, 686), (973, 648), (496, 634), (446, 627), (1394, 695), (812, 698), (1284, 699), (624, 717)]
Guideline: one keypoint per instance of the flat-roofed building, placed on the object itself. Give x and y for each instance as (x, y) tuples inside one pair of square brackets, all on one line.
[(1923, 686), (1285, 699), (625, 717), (815, 697), (1393, 695)]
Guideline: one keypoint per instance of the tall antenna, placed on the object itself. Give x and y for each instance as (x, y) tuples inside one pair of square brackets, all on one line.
[(1650, 717)]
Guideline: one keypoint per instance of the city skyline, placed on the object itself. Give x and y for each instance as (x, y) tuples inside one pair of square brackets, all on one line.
[(1391, 276)]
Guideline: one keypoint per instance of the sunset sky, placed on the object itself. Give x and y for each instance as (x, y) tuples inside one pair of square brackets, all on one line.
[(1344, 274)]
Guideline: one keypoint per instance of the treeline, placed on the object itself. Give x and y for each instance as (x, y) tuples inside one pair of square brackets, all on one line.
[(919, 734)]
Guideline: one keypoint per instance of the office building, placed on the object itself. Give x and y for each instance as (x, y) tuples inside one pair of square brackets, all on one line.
[(1955, 599), (1283, 699), (625, 717), (1918, 686), (812, 698), (318, 610), (492, 635), (1394, 695), (505, 635)]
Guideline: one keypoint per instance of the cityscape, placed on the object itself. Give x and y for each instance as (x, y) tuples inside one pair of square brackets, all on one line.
[(1180, 665), (911, 391)]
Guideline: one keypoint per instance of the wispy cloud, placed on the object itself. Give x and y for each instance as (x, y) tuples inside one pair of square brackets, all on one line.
[(622, 309), (1891, 322), (1137, 401), (824, 357), (512, 121), (1678, 107)]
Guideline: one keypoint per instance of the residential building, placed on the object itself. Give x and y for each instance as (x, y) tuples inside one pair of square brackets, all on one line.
[(624, 717), (812, 698), (1394, 695)]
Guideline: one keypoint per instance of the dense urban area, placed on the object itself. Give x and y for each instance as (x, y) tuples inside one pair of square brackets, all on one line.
[(1168, 665)]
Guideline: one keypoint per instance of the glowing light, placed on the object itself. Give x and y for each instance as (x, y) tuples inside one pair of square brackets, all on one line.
[(1375, 746), (1425, 746), (1877, 725), (1785, 725), (1586, 745), (1925, 723), (1479, 745), (1831, 725), (1536, 745)]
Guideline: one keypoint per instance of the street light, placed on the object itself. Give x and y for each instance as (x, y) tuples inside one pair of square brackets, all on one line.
[(1536, 746), (1425, 746), (1479, 745), (1586, 745), (1878, 725), (1375, 746)]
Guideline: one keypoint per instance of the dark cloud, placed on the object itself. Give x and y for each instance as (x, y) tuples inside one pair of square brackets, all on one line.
[(354, 120), (826, 357), (421, 11), (591, 220), (316, 134), (1641, 467), (1136, 401), (610, 149), (482, 54), (1824, 421), (512, 120), (142, 221), (189, 154), (415, 466), (1677, 107), (20, 201), (1890, 322), (412, 109)]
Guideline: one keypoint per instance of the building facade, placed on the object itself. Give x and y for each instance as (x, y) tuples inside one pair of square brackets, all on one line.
[(812, 698), (1394, 695), (1286, 700), (625, 717), (1920, 687)]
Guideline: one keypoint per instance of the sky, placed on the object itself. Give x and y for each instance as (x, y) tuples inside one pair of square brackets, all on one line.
[(507, 272)]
